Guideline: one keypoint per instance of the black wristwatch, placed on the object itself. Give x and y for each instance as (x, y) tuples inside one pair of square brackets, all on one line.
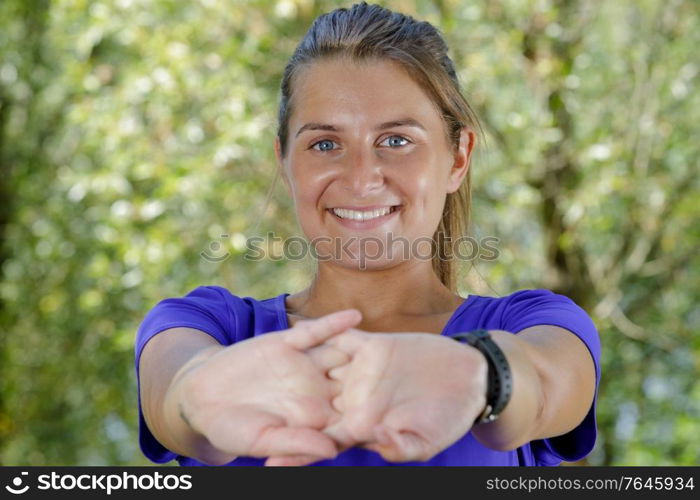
[(500, 380)]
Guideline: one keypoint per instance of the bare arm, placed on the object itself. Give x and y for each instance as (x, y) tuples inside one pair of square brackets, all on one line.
[(165, 358), (553, 387), (393, 405), (264, 396)]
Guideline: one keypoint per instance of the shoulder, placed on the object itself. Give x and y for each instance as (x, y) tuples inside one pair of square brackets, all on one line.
[(215, 310), (530, 307), (246, 316), (526, 308), (216, 302), (533, 295), (215, 297), (519, 303)]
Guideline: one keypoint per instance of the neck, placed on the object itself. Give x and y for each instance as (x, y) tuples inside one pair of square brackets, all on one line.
[(408, 289)]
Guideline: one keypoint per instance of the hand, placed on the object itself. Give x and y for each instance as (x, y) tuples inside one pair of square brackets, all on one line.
[(269, 395), (407, 396)]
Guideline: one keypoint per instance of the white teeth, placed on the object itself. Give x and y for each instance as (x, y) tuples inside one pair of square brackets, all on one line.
[(361, 216)]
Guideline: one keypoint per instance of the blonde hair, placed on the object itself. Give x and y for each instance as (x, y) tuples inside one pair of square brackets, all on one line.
[(366, 31)]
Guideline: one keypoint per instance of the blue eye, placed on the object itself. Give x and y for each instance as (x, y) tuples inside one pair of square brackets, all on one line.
[(324, 145), (395, 140)]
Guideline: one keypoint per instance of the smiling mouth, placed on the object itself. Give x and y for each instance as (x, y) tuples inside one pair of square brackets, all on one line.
[(363, 215)]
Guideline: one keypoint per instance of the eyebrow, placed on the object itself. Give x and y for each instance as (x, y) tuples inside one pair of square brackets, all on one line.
[(403, 122)]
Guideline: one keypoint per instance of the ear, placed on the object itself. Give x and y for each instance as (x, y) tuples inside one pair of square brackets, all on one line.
[(280, 165), (462, 157)]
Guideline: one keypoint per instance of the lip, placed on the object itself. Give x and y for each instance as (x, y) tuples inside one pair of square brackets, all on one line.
[(366, 208), (365, 224)]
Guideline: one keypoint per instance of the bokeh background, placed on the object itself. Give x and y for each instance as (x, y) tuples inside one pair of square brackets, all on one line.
[(135, 133)]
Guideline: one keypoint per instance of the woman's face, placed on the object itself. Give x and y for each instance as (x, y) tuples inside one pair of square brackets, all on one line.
[(368, 162)]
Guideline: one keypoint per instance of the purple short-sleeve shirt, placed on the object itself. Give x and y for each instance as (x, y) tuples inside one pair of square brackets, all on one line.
[(229, 319)]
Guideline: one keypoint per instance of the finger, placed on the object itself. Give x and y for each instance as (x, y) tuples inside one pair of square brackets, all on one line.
[(397, 446), (291, 461), (327, 357), (336, 388), (384, 436), (339, 373), (333, 419), (357, 422), (349, 342), (252, 432), (308, 333), (337, 403), (339, 433), (283, 441)]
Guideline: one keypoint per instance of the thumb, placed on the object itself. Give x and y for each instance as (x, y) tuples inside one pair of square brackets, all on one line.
[(312, 332), (395, 446)]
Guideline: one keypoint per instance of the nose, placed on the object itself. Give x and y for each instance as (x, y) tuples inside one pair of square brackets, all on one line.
[(363, 173)]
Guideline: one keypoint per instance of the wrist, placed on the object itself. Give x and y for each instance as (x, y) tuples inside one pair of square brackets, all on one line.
[(499, 385), (196, 360), (178, 421), (483, 371), (180, 418), (176, 397)]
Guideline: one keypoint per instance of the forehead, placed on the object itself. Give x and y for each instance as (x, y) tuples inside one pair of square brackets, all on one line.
[(341, 90)]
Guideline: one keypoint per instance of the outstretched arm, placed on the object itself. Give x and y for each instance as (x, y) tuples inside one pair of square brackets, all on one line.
[(164, 359), (408, 396), (259, 397), (553, 387)]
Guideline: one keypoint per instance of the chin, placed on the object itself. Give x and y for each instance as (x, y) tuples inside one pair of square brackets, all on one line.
[(367, 264)]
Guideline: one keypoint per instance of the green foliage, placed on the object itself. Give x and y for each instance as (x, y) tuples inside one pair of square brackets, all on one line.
[(134, 133)]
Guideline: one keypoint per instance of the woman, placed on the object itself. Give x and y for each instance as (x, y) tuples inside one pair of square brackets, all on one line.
[(374, 145)]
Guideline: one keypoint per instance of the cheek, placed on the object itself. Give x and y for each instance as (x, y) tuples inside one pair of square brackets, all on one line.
[(308, 185), (310, 189), (427, 191), (427, 187)]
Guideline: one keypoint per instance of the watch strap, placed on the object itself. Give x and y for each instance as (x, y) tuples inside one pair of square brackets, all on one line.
[(500, 380)]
